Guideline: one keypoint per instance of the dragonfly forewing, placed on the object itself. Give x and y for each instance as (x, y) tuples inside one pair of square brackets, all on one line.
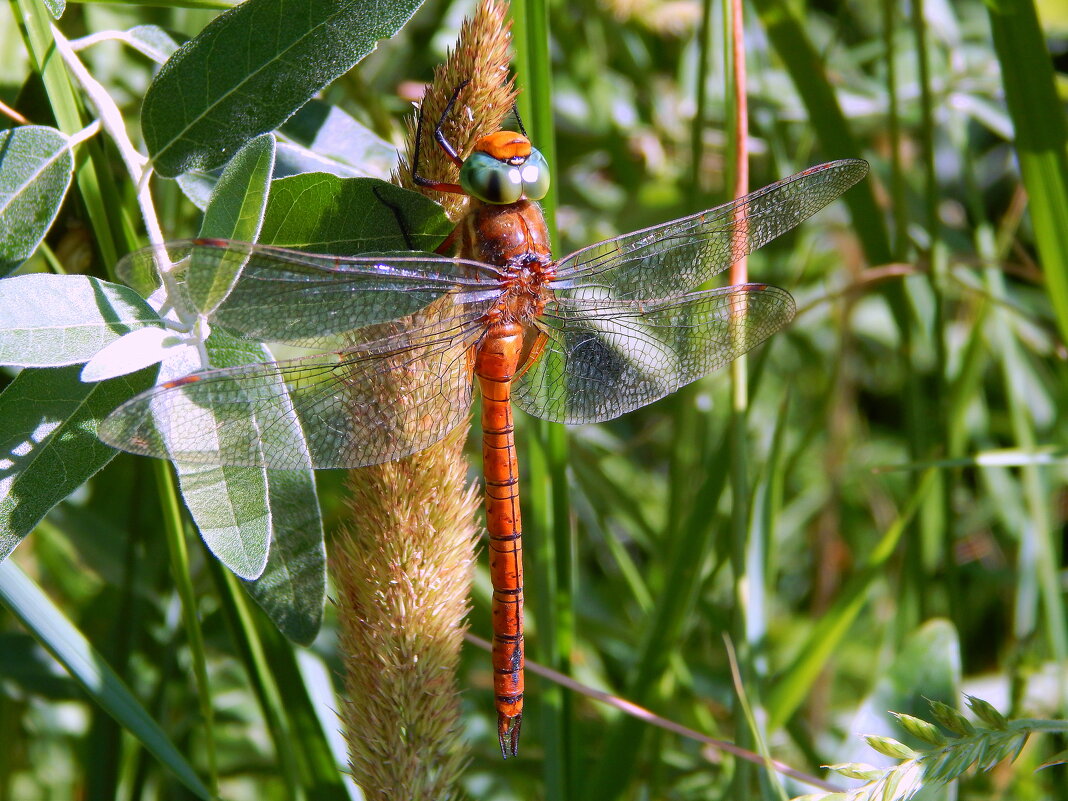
[(605, 358), (674, 258), (271, 294)]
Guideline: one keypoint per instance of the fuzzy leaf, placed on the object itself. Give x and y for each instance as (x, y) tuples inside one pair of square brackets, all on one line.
[(56, 320), (49, 441), (129, 353), (251, 68), (197, 186), (264, 525), (236, 207), (322, 213), (323, 134), (36, 167), (292, 587), (152, 41), (235, 211), (229, 504)]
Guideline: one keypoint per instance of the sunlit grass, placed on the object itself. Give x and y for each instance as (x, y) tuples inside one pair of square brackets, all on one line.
[(883, 579)]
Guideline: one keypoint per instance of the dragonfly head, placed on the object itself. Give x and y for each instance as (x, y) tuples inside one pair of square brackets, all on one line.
[(504, 168)]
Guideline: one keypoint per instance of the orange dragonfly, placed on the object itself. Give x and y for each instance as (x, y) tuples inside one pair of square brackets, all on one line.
[(603, 331)]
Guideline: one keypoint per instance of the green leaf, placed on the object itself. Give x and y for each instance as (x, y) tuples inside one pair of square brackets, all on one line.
[(323, 213), (56, 7), (197, 186), (50, 419), (292, 588), (236, 207), (321, 132), (235, 211), (229, 505), (251, 68), (264, 525), (56, 320), (151, 41), (134, 351), (47, 624), (36, 167), (318, 138)]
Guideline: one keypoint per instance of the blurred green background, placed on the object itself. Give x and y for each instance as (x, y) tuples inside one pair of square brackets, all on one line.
[(903, 529)]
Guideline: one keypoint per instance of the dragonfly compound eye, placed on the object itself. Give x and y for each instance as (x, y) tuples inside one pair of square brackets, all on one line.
[(491, 180), (535, 175)]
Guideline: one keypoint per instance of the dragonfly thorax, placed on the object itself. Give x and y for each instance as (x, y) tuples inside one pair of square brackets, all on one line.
[(504, 236)]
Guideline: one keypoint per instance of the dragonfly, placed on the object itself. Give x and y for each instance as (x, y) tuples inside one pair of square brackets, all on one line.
[(398, 342)]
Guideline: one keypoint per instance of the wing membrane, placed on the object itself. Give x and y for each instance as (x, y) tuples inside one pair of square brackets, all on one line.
[(390, 395), (671, 259), (269, 294), (604, 358)]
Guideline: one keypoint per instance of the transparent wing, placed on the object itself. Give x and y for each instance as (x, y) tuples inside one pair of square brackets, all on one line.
[(674, 258), (270, 294), (608, 357), (389, 395)]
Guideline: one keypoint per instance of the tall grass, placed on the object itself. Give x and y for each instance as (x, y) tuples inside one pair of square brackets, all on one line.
[(903, 440)]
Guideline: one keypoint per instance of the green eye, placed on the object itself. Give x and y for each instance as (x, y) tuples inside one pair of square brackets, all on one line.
[(535, 175), (494, 181), (490, 180)]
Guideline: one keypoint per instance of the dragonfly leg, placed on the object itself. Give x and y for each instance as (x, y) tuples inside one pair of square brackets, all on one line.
[(448, 245), (443, 143)]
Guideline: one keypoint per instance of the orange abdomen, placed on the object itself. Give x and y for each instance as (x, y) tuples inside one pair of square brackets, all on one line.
[(496, 362)]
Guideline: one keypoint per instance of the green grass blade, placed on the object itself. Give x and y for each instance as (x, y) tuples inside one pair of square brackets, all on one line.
[(806, 69), (552, 545), (1041, 137), (664, 625), (790, 689), (304, 755), (92, 177), (86, 666)]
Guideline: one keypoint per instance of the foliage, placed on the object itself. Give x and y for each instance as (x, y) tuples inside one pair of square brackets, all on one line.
[(941, 759), (904, 439)]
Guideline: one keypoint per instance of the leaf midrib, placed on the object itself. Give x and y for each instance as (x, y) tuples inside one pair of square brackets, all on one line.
[(248, 78)]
